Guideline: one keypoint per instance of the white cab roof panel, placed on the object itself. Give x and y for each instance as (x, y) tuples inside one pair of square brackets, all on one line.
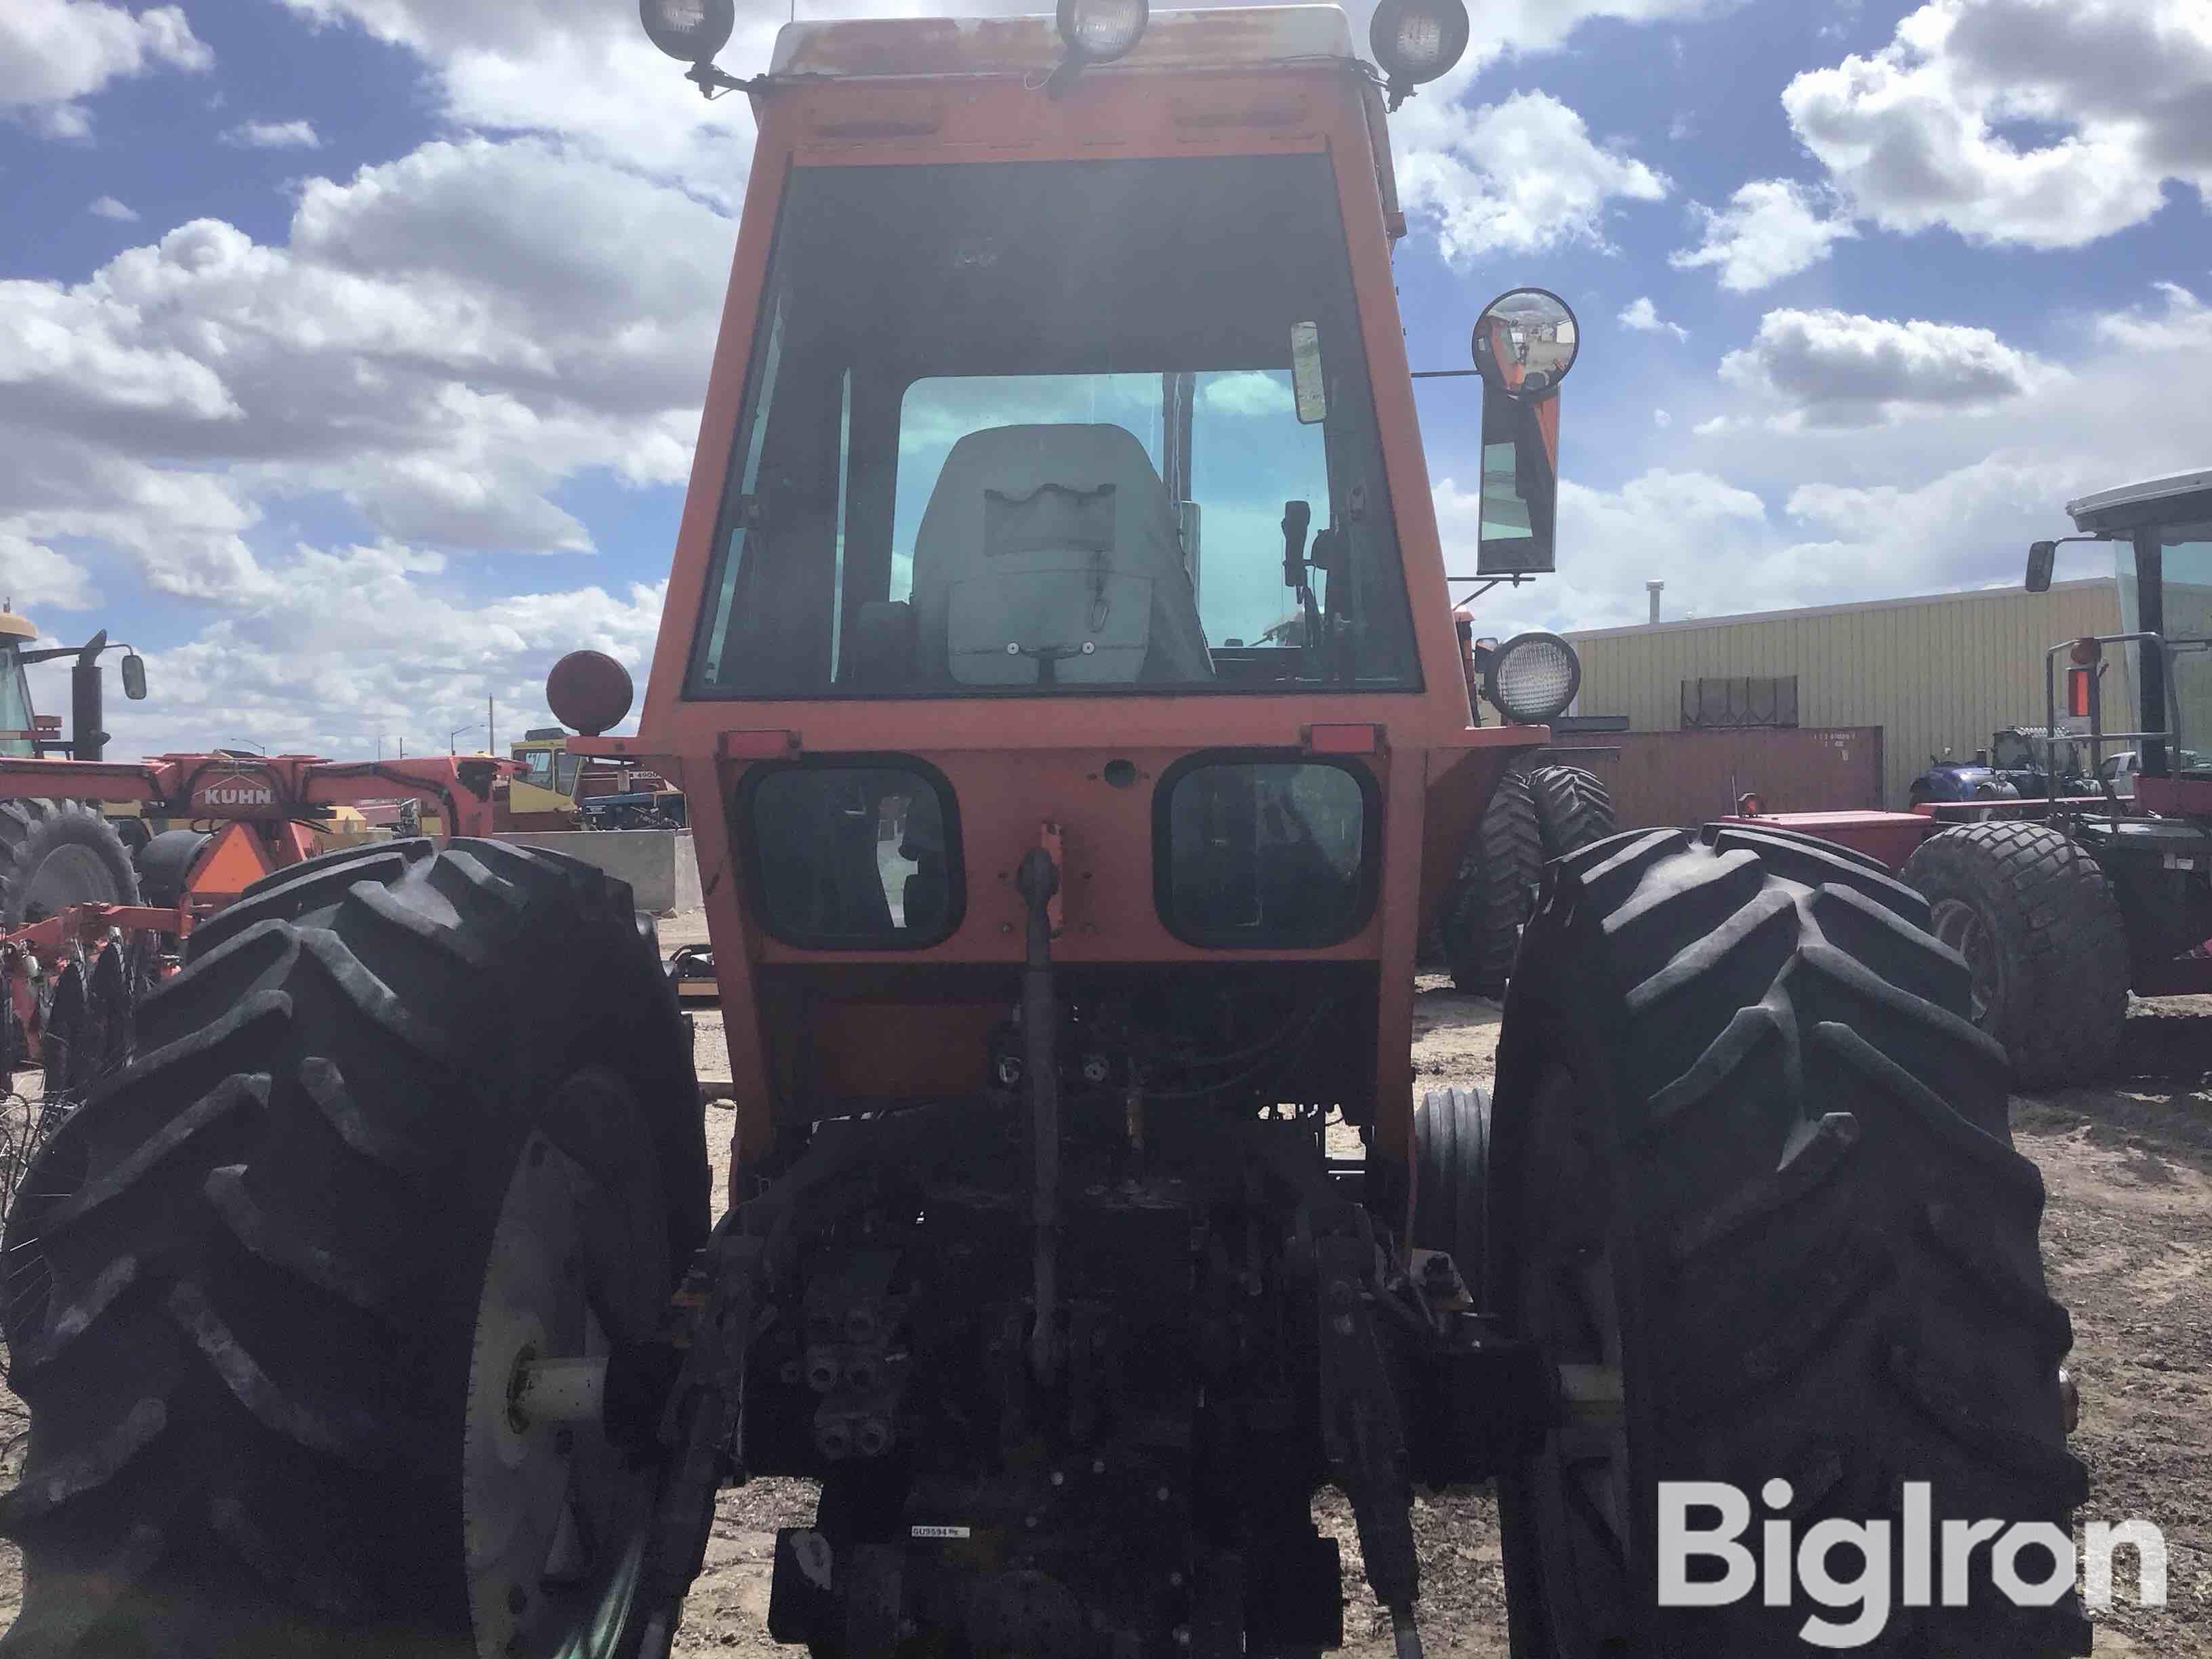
[(2139, 495)]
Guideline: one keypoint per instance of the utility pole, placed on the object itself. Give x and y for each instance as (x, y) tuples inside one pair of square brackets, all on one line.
[(491, 728)]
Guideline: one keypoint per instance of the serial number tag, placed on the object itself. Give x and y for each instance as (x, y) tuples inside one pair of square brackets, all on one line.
[(936, 1532), (2175, 861)]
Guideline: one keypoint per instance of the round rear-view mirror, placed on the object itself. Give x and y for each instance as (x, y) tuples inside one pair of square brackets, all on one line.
[(589, 691), (1526, 341)]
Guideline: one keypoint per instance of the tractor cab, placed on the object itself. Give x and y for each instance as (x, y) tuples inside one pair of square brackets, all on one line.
[(18, 733), (1060, 487), (25, 734), (2162, 531)]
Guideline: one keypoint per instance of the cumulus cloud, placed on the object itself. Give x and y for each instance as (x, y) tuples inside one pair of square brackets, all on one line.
[(53, 53), (1834, 368), (442, 341), (1642, 316), (354, 648), (1250, 393), (1927, 131), (33, 576), (107, 207), (1771, 229), (273, 135), (1524, 176)]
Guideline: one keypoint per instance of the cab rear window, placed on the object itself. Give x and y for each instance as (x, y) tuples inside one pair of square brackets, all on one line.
[(854, 855), (1265, 850)]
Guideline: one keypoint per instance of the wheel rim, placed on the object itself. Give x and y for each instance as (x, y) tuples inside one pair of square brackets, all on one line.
[(1577, 1488), (554, 1518), (1960, 926)]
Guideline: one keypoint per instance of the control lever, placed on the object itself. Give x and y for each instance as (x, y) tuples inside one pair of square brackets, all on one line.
[(1297, 518)]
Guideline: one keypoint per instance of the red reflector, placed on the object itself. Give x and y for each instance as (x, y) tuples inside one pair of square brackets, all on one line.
[(2077, 691), (1344, 739), (759, 745)]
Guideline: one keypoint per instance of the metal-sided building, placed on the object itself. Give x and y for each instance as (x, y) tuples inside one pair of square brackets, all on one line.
[(1870, 692)]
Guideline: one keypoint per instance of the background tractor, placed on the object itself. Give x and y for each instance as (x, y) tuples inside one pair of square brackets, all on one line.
[(2066, 899), (1065, 907), (555, 789), (57, 850)]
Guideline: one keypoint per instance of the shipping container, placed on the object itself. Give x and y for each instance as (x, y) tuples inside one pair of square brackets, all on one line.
[(1691, 777)]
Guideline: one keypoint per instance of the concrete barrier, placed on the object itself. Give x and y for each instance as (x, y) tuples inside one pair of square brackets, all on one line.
[(660, 865)]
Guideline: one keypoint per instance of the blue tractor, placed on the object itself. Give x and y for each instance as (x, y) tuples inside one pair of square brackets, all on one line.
[(1948, 780)]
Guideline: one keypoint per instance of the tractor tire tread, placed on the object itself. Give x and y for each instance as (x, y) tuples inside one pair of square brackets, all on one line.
[(288, 1136), (33, 827), (1827, 1223), (2058, 929), (1493, 888), (1573, 809)]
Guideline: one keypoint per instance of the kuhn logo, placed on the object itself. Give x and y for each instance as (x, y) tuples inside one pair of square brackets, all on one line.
[(238, 794)]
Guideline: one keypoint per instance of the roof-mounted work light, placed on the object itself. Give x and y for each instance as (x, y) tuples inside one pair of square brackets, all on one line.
[(1100, 31), (1097, 32), (692, 31), (1415, 41), (689, 31)]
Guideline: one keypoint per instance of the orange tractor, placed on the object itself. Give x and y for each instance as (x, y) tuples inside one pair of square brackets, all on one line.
[(1082, 1226)]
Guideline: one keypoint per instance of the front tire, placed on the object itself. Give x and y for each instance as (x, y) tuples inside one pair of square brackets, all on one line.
[(2030, 912), (1492, 889), (1755, 1197), (405, 1117), (1574, 809)]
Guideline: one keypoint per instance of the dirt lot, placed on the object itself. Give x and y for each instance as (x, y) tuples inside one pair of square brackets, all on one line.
[(2128, 1236)]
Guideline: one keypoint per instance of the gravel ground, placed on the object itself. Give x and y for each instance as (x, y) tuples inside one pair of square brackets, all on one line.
[(2127, 1234)]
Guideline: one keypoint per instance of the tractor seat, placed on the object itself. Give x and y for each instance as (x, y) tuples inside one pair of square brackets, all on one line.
[(1050, 555)]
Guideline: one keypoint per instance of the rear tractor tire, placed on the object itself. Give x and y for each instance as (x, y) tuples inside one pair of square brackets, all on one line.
[(54, 854), (2030, 912), (1754, 1193), (405, 1122)]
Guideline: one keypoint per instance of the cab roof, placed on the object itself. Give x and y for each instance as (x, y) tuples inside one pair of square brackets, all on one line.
[(12, 627), (1221, 38), (2183, 499)]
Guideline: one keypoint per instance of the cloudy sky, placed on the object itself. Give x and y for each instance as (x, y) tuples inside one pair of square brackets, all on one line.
[(350, 350)]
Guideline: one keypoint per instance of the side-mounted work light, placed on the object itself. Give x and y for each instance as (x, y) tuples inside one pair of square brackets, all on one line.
[(1414, 41), (1531, 678), (689, 31)]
